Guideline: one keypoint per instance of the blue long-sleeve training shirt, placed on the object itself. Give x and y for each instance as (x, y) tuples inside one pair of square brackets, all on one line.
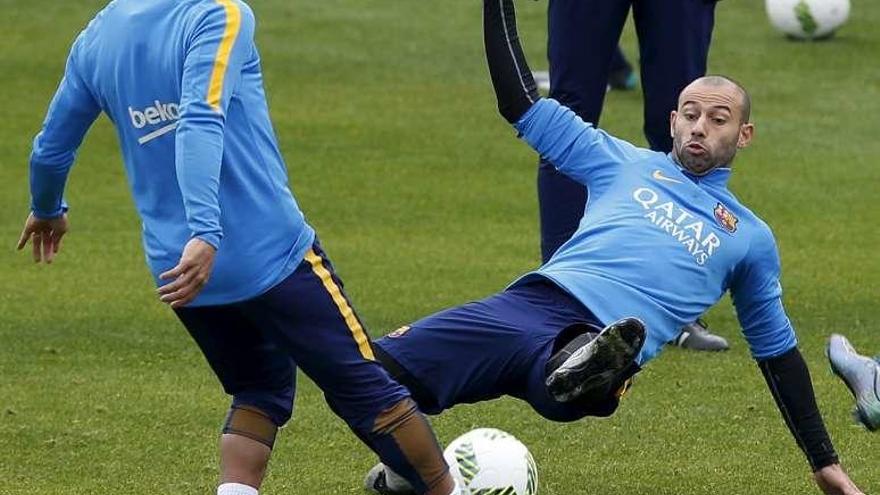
[(657, 243), (181, 81)]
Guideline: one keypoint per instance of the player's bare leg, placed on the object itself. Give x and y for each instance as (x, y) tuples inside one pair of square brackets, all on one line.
[(245, 448), (242, 461), (402, 435)]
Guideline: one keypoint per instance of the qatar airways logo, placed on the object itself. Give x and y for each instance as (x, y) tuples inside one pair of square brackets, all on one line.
[(158, 113), (679, 223)]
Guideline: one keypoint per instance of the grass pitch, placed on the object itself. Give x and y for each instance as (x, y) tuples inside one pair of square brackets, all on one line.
[(424, 199)]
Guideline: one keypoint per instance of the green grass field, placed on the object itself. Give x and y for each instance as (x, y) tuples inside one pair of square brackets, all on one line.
[(424, 199)]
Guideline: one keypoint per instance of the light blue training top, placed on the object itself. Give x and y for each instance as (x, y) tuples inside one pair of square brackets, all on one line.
[(657, 243), (181, 82)]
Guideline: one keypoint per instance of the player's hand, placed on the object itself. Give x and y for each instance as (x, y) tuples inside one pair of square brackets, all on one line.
[(45, 236), (190, 275), (834, 481)]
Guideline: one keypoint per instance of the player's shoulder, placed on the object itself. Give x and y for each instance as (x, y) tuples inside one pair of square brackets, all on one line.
[(745, 217), (732, 201), (95, 24), (218, 15), (763, 232), (658, 160), (222, 8), (760, 234), (82, 50)]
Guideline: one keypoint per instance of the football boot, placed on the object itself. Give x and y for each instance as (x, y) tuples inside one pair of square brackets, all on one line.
[(862, 375), (696, 336), (595, 366), (386, 482)]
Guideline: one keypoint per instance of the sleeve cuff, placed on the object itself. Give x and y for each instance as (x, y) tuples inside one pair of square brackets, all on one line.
[(49, 214), (211, 238), (522, 124), (824, 461)]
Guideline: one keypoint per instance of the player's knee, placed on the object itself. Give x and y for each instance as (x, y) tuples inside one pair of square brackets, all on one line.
[(372, 418), (276, 404), (600, 409), (423, 397), (251, 422), (567, 412), (560, 414), (394, 417), (403, 436)]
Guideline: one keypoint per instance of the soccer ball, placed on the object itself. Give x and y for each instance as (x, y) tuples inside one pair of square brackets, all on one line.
[(808, 19), (487, 461)]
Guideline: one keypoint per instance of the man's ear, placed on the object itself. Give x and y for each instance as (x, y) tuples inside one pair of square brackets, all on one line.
[(746, 134)]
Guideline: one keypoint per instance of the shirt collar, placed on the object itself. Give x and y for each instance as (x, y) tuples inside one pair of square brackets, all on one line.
[(716, 177)]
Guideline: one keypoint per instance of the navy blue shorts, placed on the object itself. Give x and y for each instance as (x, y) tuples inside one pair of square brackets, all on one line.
[(493, 347), (255, 346)]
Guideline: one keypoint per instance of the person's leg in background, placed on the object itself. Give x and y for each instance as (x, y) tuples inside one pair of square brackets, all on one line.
[(621, 76), (312, 319), (674, 38), (582, 38)]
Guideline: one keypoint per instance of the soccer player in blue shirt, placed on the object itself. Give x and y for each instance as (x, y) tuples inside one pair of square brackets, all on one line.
[(664, 239), (582, 36), (224, 238)]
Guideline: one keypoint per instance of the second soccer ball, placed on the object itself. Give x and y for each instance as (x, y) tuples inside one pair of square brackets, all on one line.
[(808, 19)]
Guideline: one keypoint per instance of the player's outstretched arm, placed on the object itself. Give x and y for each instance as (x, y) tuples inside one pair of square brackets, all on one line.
[(71, 113), (512, 79), (757, 296), (789, 381), (575, 148)]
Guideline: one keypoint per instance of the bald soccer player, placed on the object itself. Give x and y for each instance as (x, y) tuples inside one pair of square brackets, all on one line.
[(663, 241)]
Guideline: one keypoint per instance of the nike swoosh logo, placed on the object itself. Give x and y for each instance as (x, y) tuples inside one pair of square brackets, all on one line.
[(659, 176)]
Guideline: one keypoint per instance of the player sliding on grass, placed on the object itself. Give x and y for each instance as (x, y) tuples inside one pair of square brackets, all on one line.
[(224, 237), (663, 241)]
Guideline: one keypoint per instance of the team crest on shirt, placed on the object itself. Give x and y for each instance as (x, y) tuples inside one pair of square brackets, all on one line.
[(400, 332), (725, 218)]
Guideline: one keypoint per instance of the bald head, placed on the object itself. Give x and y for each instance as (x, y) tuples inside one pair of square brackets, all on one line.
[(723, 84), (710, 124)]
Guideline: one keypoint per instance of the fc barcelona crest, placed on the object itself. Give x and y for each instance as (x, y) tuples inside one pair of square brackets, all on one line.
[(725, 218)]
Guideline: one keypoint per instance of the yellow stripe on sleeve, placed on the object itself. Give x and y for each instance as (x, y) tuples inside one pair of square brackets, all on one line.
[(345, 310), (221, 62)]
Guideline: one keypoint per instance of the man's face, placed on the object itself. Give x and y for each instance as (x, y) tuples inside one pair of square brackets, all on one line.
[(708, 128)]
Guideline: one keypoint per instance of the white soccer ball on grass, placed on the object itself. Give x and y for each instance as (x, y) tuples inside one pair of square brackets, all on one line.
[(808, 19), (492, 462)]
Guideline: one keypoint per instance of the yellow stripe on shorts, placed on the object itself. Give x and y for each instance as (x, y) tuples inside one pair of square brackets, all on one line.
[(221, 61), (345, 310)]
